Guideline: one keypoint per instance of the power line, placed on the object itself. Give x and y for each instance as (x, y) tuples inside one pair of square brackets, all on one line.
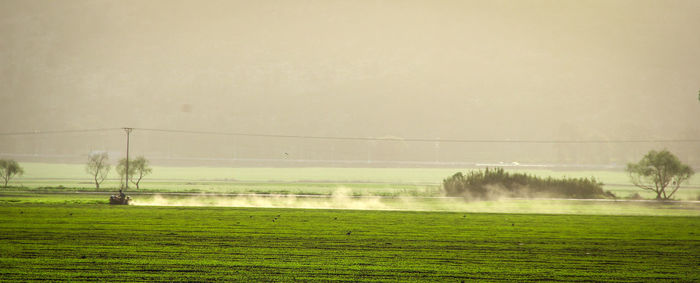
[(432, 140), (348, 138), (37, 132)]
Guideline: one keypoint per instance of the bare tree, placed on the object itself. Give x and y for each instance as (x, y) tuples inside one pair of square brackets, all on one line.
[(8, 169), (98, 167)]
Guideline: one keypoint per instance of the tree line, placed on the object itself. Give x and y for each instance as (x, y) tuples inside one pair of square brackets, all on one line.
[(97, 166), (496, 183), (660, 172)]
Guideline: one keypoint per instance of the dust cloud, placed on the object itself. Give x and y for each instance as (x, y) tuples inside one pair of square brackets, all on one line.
[(343, 198)]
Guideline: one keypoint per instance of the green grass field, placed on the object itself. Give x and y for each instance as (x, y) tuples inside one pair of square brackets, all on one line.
[(355, 224), (77, 241)]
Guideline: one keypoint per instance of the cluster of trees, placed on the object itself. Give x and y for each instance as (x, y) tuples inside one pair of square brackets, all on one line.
[(493, 183), (98, 167), (660, 172)]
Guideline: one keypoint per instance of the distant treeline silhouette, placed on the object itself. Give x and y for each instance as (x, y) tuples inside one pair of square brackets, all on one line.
[(496, 183)]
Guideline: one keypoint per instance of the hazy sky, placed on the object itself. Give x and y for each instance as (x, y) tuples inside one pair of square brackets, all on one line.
[(448, 69)]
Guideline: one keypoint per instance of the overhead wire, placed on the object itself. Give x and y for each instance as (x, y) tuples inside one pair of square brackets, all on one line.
[(46, 132), (350, 138), (399, 139)]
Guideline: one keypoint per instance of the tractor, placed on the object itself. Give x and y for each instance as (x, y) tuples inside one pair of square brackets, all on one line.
[(120, 198)]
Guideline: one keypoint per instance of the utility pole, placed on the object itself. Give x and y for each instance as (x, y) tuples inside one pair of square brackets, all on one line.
[(128, 131), (437, 151)]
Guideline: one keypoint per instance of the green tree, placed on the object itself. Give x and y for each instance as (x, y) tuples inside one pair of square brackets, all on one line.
[(9, 169), (97, 167), (138, 168), (141, 168), (121, 170), (657, 171)]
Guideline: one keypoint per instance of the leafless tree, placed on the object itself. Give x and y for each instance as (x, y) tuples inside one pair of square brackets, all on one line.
[(98, 167), (9, 169)]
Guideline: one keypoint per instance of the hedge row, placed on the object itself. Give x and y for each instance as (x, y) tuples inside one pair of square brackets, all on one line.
[(496, 183)]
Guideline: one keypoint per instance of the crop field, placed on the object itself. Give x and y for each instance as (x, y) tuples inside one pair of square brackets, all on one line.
[(338, 224), (92, 241)]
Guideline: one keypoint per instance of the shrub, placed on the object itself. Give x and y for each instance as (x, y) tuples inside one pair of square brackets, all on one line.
[(635, 196), (494, 183)]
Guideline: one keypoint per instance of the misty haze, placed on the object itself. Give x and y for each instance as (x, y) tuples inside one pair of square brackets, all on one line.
[(330, 140), (472, 70)]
